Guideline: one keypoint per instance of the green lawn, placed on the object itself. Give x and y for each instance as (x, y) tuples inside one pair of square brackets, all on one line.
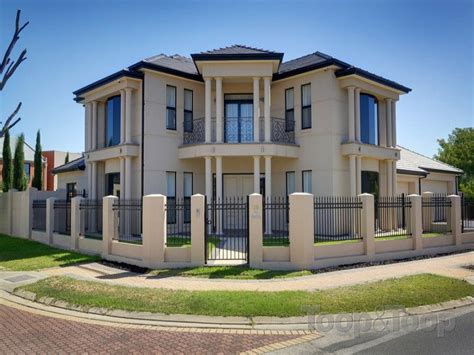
[(408, 291), (23, 255), (432, 235), (333, 242)]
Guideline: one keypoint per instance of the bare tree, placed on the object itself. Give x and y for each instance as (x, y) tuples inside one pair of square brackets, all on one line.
[(8, 66)]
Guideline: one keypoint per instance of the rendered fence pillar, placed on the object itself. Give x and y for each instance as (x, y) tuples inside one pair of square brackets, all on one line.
[(198, 225), (416, 221), (368, 223), (455, 218), (50, 218), (301, 230), (154, 229), (255, 230), (30, 196), (427, 212), (108, 224), (75, 221)]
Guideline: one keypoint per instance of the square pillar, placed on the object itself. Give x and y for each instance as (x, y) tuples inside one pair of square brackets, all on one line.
[(455, 220), (389, 171), (256, 111), (266, 111), (198, 225), (108, 224), (128, 115), (75, 222), (128, 178), (256, 174), (87, 127), (394, 123), (122, 116), (388, 104), (415, 221), (301, 230), (394, 177), (50, 218), (219, 102), (367, 223), (268, 193), (207, 109), (255, 230), (93, 184), (219, 196), (154, 229), (357, 114), (352, 175), (351, 112)]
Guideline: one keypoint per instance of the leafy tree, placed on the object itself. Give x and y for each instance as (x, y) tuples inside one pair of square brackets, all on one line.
[(66, 160), (458, 151), (38, 163), (7, 163), (19, 179)]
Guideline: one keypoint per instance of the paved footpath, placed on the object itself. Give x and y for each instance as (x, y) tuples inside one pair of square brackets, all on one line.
[(450, 265)]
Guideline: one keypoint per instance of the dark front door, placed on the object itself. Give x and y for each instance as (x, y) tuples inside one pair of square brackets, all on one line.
[(238, 121)]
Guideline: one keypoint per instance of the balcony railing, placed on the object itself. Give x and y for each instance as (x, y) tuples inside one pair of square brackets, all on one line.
[(239, 130)]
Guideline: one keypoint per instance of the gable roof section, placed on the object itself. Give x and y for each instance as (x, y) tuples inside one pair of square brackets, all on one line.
[(418, 164), (237, 52), (73, 165)]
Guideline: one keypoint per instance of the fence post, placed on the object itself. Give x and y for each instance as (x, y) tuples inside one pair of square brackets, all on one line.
[(456, 221), (154, 229), (75, 221), (301, 230), (198, 225), (108, 224), (50, 218), (427, 212), (30, 196), (416, 221), (255, 230), (368, 223)]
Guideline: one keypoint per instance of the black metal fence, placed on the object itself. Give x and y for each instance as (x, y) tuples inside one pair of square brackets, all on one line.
[(178, 216), (276, 221), (467, 214), (436, 214), (39, 215), (91, 218), (128, 214), (62, 217), (392, 216), (337, 218)]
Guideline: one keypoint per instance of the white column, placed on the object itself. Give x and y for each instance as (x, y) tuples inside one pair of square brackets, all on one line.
[(88, 126), (268, 192), (219, 192), (394, 123), (266, 111), (256, 174), (256, 106), (122, 116), (357, 114), (128, 115), (93, 192), (219, 99), (207, 123), (388, 104), (352, 175), (394, 177), (122, 178), (94, 125), (208, 179), (388, 164), (128, 179), (358, 174), (351, 111)]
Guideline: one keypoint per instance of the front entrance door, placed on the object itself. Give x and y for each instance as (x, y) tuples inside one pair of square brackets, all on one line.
[(238, 120)]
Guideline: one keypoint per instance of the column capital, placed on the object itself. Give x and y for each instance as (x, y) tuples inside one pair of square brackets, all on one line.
[(128, 89), (389, 100), (351, 88), (218, 78), (207, 79), (255, 78), (267, 156)]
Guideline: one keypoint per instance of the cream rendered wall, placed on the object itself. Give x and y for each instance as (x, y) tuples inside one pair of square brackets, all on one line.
[(79, 177)]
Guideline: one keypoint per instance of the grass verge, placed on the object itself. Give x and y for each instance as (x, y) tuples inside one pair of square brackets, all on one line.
[(25, 255), (408, 291), (433, 235)]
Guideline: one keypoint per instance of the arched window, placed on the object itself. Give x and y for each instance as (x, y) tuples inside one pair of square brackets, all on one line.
[(112, 121), (369, 120)]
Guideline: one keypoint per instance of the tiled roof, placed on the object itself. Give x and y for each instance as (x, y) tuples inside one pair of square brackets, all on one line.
[(418, 163), (175, 62), (307, 60), (237, 49), (73, 165)]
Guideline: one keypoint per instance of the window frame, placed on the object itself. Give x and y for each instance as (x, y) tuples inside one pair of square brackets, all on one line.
[(306, 107), (287, 110), (302, 180), (190, 128), (172, 220), (106, 125), (172, 128), (377, 121), (286, 180)]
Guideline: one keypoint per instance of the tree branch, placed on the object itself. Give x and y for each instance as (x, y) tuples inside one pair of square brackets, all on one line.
[(16, 36), (11, 69), (7, 124)]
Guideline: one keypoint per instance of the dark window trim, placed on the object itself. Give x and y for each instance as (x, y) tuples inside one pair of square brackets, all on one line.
[(291, 127), (189, 128), (106, 143), (171, 108), (303, 107), (302, 179), (286, 181), (378, 115)]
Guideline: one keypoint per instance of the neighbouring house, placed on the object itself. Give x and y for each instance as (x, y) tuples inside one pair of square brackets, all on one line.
[(237, 120), (56, 158), (29, 160), (71, 177)]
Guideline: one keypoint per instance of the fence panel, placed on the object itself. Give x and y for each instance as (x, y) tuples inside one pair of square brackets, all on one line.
[(62, 217), (467, 214), (392, 216), (337, 218), (91, 218), (39, 215), (275, 221), (436, 214), (178, 216), (128, 214)]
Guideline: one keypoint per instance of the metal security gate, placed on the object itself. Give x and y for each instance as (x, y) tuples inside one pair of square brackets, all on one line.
[(227, 231)]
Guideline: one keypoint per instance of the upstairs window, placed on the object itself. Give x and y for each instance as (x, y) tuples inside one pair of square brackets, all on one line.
[(290, 110), (171, 107), (306, 106), (188, 110), (369, 130), (112, 121)]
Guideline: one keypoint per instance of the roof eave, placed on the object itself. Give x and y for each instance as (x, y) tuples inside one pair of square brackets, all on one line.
[(378, 79), (323, 64), (156, 67), (442, 171), (411, 172)]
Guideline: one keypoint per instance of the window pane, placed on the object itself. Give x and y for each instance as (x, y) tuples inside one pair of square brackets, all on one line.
[(112, 126), (289, 99), (290, 121), (170, 184), (171, 118), (290, 182), (306, 95), (307, 182), (188, 121), (306, 117), (368, 119), (188, 184), (370, 182), (188, 100), (171, 96)]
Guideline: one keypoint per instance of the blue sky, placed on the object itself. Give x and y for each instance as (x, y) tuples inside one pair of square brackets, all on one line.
[(425, 45)]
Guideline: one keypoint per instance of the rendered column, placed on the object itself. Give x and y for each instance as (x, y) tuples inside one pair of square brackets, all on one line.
[(388, 164), (128, 178), (219, 99), (255, 230), (128, 115), (266, 112), (367, 223), (357, 114), (256, 106), (394, 177), (93, 192), (415, 221), (351, 111), (301, 230), (50, 218), (358, 174), (198, 223), (88, 126), (454, 218), (154, 230), (256, 174), (219, 192), (94, 125), (75, 222), (388, 104), (122, 178), (109, 224), (394, 123), (352, 175), (208, 179), (268, 193), (207, 119), (122, 116)]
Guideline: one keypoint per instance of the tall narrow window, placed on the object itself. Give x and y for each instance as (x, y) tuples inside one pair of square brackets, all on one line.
[(369, 130), (171, 107), (306, 106), (290, 182), (171, 196), (290, 110), (188, 110), (188, 192), (307, 181), (112, 121)]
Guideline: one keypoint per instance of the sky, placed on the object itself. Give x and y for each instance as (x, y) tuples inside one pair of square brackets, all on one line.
[(425, 45)]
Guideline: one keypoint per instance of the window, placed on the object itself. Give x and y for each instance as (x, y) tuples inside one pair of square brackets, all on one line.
[(113, 184), (188, 192), (370, 182), (369, 130), (290, 110), (170, 107), (306, 106), (290, 182), (71, 190), (171, 196), (188, 110), (112, 119), (27, 171), (307, 181)]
